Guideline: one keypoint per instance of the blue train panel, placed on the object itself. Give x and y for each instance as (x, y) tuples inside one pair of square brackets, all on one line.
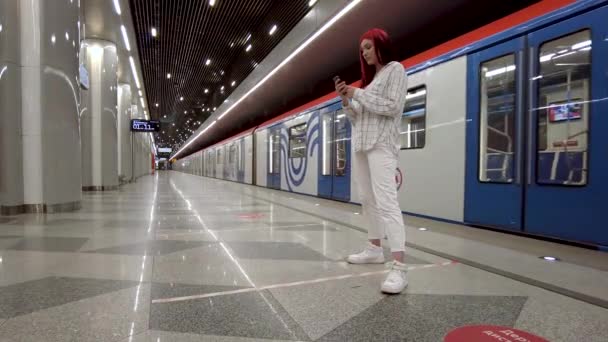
[(536, 152), (335, 154)]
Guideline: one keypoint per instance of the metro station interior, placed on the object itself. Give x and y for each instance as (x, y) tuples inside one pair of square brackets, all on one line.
[(186, 170)]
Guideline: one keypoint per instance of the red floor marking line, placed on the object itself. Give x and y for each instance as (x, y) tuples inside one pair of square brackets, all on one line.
[(297, 283)]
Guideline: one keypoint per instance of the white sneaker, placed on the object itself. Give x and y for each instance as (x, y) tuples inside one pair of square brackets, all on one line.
[(372, 254), (396, 280)]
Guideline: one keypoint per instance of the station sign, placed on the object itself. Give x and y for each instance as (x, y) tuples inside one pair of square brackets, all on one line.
[(138, 125)]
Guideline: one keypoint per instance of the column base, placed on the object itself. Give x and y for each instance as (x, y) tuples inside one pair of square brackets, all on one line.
[(39, 208), (100, 188)]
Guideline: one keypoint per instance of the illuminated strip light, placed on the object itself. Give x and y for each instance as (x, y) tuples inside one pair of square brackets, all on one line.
[(416, 94), (581, 45), (324, 28), (295, 53), (125, 37), (500, 71), (143, 104), (117, 7), (546, 58), (564, 55), (134, 71)]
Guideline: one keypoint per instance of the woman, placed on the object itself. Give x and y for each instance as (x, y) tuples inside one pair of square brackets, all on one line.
[(375, 113)]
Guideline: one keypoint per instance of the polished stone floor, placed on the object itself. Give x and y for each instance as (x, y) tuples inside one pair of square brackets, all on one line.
[(176, 257)]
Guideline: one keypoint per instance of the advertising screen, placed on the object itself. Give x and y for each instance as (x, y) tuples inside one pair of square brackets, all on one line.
[(565, 111)]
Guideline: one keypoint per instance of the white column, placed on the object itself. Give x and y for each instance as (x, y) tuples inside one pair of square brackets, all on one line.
[(124, 132), (99, 116), (50, 140), (11, 162)]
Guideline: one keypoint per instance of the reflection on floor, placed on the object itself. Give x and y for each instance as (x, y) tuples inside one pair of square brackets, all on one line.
[(182, 258)]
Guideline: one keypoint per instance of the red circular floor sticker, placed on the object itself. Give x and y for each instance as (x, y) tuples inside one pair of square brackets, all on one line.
[(490, 333)]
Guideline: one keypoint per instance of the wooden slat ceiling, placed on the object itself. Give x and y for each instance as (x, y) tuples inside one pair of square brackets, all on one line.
[(191, 32)]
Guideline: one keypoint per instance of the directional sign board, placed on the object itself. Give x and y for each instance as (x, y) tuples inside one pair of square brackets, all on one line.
[(138, 125)]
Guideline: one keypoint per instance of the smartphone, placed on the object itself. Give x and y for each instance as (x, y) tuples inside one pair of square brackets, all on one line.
[(336, 79)]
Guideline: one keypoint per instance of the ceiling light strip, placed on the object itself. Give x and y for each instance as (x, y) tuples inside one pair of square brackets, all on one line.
[(327, 25)]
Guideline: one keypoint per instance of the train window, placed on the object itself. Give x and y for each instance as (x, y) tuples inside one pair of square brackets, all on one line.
[(341, 133), (413, 121), (274, 148), (563, 115), (497, 120), (239, 156), (232, 154), (220, 156), (297, 141), (326, 143)]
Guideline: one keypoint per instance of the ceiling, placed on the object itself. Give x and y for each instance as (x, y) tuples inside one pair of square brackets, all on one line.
[(202, 50), (415, 27)]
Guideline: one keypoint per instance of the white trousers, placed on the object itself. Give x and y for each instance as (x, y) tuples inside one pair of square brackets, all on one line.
[(378, 192)]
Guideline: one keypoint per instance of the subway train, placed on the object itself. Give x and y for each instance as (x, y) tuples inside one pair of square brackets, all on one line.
[(505, 127)]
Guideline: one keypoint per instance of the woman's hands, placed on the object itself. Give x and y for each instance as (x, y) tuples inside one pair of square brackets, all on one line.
[(345, 90)]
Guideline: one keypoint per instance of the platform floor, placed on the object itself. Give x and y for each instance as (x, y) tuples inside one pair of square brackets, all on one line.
[(181, 258)]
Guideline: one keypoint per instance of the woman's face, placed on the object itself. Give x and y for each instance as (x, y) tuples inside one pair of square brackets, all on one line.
[(369, 52)]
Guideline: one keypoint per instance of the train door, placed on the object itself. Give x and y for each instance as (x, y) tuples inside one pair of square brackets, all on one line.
[(536, 156), (335, 154), (241, 158), (214, 163), (274, 158)]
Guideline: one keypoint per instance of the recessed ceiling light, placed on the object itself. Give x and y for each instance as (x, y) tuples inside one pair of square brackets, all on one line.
[(312, 3), (206, 91), (208, 62), (273, 29), (211, 2), (248, 48), (157, 105), (233, 83), (248, 37), (154, 32), (168, 75), (357, 214), (181, 98)]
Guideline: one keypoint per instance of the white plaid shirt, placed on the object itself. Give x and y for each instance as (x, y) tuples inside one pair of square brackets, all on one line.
[(375, 112)]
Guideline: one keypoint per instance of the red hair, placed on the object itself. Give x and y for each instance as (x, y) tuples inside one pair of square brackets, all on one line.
[(384, 52)]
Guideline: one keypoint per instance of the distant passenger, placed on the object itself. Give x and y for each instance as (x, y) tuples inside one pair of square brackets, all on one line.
[(375, 114)]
